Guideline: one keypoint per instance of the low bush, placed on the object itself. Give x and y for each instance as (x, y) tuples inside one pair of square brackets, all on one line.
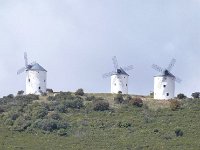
[(10, 96), (49, 124), (175, 105), (90, 98), (155, 130), (77, 103), (50, 98), (49, 90), (124, 124), (196, 95), (54, 116), (181, 96), (39, 112), (8, 122), (178, 132), (44, 94), (1, 110), (136, 102), (127, 98), (61, 108), (62, 132), (79, 92), (21, 124), (14, 116), (20, 93), (100, 105), (62, 96), (118, 99)]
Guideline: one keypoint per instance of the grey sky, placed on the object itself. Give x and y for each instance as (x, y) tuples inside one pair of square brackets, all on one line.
[(76, 39)]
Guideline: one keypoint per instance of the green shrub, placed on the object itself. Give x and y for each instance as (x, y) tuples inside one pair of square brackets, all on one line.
[(14, 116), (155, 130), (100, 105), (90, 98), (118, 99), (39, 112), (49, 124), (79, 92), (20, 93), (55, 116), (49, 90), (181, 96), (175, 105), (62, 96), (62, 132), (9, 122), (119, 92), (10, 96), (151, 94), (44, 94), (124, 124), (136, 102), (196, 94), (25, 99), (21, 124), (51, 98), (61, 108), (1, 110), (127, 98), (178, 132), (77, 103)]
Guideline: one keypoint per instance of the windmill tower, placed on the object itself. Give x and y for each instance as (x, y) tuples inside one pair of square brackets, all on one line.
[(119, 78), (36, 77), (164, 84)]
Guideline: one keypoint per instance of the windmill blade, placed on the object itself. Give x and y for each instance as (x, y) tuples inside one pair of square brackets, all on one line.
[(171, 65), (178, 80), (157, 68), (26, 59), (106, 75), (21, 70), (32, 63), (128, 68), (115, 62)]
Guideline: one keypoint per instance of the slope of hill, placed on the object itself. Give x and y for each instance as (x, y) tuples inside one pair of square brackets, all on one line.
[(67, 121)]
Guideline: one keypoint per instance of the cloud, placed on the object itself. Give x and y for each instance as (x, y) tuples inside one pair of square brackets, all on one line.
[(75, 41)]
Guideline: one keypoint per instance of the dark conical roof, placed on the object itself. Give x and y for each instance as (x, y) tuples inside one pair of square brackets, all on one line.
[(36, 67), (120, 72), (166, 73)]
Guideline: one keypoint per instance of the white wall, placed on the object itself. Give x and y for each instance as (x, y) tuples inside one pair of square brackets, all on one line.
[(119, 83), (164, 87), (35, 82)]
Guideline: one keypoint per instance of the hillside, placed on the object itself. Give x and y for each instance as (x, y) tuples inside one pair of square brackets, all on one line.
[(68, 121)]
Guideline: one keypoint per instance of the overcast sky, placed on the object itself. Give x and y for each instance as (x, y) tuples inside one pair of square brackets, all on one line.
[(75, 40)]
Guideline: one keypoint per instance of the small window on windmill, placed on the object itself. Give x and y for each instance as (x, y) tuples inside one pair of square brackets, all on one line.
[(39, 88), (167, 94), (126, 84), (164, 86), (29, 80), (44, 80), (115, 84)]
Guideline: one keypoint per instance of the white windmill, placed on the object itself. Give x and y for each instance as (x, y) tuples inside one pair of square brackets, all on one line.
[(164, 84), (36, 77), (119, 78)]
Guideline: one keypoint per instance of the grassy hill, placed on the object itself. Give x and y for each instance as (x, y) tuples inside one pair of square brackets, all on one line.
[(67, 121)]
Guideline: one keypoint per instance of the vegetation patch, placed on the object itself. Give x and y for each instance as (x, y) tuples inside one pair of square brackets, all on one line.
[(94, 121)]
